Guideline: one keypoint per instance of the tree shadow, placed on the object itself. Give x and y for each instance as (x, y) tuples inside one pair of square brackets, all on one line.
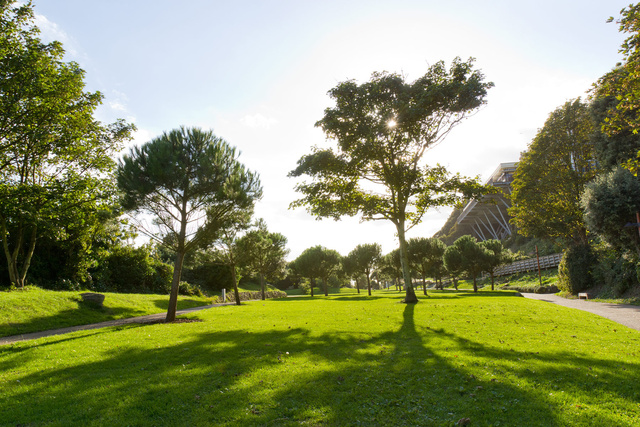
[(294, 376)]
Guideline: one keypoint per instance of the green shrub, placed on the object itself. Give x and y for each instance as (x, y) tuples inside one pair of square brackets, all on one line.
[(575, 269), (190, 290), (616, 272), (247, 296), (129, 269), (305, 288)]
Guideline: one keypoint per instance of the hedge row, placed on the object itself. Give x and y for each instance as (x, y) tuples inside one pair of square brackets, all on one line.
[(253, 295), (534, 289)]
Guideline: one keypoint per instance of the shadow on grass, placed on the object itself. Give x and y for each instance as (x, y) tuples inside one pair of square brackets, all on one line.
[(288, 377), (85, 314)]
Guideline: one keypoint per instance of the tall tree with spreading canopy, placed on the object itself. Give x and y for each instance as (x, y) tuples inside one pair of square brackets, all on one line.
[(193, 185), (552, 174), (55, 158), (383, 128), (264, 253)]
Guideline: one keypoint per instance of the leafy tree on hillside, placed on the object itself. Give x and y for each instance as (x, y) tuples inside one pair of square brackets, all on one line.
[(366, 257), (383, 129), (55, 158), (193, 185), (551, 176), (264, 253), (611, 202), (623, 82)]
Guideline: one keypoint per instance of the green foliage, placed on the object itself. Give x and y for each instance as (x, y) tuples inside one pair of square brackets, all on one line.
[(615, 273), (317, 262), (193, 185), (611, 202), (55, 158), (623, 82), (552, 174), (362, 260), (474, 256), (382, 129), (132, 270), (575, 272), (263, 253)]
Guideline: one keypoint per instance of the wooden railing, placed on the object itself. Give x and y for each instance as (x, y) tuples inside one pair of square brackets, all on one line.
[(531, 264)]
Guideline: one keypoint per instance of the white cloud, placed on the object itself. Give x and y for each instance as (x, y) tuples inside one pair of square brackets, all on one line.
[(258, 121), (50, 31)]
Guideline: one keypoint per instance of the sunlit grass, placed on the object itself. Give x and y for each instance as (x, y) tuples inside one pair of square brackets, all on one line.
[(491, 357), (37, 309)]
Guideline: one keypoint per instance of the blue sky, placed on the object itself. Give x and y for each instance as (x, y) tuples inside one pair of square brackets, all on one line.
[(257, 73)]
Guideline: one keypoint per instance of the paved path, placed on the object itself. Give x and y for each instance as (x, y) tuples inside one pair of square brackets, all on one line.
[(628, 315), (151, 318)]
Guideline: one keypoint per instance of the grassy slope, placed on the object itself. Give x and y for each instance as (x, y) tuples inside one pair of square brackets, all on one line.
[(343, 360), (38, 310)]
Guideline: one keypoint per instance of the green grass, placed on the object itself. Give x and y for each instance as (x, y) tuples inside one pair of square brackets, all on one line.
[(36, 309), (491, 357)]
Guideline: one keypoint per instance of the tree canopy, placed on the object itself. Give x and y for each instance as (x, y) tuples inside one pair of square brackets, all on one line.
[(192, 184), (263, 252), (383, 128), (55, 158), (551, 176), (364, 258)]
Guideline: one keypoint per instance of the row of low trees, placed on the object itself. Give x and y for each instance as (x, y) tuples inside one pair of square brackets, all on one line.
[(577, 184), (427, 257)]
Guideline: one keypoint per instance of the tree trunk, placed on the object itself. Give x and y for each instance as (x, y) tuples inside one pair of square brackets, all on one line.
[(175, 286), (262, 286), (410, 295), (424, 285), (325, 287), (368, 282), (234, 277), (357, 284), (313, 284), (492, 281), (475, 286)]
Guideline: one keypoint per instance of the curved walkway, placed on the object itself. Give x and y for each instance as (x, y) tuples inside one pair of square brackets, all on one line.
[(628, 315), (150, 318)]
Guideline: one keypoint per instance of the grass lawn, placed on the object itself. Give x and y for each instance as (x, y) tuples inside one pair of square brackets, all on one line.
[(491, 357), (37, 309)]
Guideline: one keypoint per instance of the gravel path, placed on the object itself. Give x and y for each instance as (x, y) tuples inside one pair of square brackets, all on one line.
[(628, 315), (151, 318)]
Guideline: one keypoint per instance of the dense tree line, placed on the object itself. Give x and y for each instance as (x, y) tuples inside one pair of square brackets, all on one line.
[(577, 184)]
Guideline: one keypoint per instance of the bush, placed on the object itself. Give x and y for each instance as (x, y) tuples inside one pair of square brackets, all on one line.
[(576, 268), (616, 272), (305, 288), (247, 296), (536, 289), (190, 290), (129, 269)]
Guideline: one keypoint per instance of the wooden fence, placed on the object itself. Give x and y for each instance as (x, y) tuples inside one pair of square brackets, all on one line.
[(549, 261)]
